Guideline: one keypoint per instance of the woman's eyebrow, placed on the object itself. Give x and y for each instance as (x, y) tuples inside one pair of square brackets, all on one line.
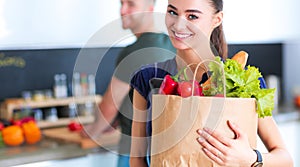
[(173, 7), (188, 10), (193, 11)]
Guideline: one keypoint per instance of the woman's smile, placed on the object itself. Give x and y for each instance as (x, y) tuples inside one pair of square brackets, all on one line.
[(182, 35)]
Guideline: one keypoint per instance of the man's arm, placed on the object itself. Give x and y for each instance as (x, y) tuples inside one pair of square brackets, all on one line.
[(108, 107)]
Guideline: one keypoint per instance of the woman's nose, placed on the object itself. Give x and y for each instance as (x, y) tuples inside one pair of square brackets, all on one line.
[(180, 24)]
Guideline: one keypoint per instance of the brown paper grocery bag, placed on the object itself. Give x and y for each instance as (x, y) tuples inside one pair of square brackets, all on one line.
[(175, 121)]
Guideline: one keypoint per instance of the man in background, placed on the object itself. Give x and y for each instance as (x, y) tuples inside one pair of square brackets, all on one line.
[(150, 46)]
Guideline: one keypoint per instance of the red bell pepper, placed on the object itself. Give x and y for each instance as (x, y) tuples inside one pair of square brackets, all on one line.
[(168, 86)]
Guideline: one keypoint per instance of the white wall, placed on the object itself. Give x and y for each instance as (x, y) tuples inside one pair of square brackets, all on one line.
[(261, 20), (56, 23), (45, 23)]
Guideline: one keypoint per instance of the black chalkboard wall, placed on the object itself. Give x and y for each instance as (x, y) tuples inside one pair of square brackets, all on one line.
[(42, 64), (34, 69)]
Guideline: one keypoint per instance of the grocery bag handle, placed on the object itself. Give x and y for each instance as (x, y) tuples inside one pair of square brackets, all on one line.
[(217, 106), (208, 61)]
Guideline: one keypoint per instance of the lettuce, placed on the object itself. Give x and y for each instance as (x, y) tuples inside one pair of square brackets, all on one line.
[(239, 82)]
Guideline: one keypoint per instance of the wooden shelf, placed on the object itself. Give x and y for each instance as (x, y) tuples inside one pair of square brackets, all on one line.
[(65, 121), (10, 105)]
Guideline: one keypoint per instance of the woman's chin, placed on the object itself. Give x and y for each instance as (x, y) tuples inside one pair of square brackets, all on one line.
[(180, 46)]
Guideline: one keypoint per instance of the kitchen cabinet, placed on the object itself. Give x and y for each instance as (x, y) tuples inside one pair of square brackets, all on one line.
[(10, 106)]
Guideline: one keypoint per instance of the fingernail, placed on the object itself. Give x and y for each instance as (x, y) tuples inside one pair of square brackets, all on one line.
[(200, 132), (201, 139)]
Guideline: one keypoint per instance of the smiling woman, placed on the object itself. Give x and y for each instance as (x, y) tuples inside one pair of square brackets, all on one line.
[(190, 25)]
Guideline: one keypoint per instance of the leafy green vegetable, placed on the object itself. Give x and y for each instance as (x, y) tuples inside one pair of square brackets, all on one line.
[(239, 82)]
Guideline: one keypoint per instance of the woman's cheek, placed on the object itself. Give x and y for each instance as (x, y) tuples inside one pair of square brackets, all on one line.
[(169, 20)]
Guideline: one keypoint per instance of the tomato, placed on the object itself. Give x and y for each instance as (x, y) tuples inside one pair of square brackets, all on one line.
[(74, 126), (219, 95), (184, 88), (1, 126), (16, 122), (27, 119)]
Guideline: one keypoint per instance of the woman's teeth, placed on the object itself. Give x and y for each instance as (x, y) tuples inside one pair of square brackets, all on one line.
[(180, 35)]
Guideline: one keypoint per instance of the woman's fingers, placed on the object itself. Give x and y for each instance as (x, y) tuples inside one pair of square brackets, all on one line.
[(236, 129), (216, 157), (212, 142), (215, 138), (211, 151)]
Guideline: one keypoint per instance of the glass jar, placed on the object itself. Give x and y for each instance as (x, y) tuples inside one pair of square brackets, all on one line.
[(51, 114), (48, 94), (38, 114), (38, 95), (26, 95)]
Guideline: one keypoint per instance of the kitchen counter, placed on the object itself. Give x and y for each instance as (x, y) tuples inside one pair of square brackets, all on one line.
[(50, 152), (286, 112), (46, 150)]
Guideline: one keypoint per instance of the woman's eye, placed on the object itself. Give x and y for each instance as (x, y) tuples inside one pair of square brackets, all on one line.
[(192, 17), (171, 12)]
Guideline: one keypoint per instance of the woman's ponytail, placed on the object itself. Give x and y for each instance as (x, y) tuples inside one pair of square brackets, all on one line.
[(217, 38), (218, 42)]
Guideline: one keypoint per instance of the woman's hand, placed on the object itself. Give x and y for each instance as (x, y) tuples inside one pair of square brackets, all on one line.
[(226, 151)]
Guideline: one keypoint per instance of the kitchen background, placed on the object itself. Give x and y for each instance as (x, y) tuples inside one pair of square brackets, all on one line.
[(39, 39)]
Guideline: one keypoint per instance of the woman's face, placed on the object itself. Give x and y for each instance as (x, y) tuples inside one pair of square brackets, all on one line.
[(190, 20)]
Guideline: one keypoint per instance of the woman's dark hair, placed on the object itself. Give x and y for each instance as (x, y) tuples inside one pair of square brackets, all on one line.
[(217, 38)]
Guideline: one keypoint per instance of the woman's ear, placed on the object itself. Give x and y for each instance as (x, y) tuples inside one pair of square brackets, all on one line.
[(218, 19)]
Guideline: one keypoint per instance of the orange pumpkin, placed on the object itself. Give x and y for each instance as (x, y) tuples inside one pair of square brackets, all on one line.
[(32, 132), (13, 135)]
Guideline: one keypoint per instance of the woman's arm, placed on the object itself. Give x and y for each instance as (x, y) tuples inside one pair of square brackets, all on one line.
[(138, 132), (270, 136)]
